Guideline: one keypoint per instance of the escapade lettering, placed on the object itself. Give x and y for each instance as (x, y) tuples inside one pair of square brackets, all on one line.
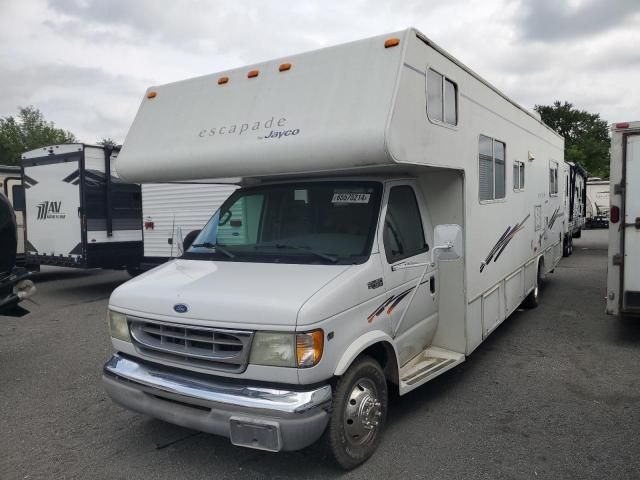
[(239, 129)]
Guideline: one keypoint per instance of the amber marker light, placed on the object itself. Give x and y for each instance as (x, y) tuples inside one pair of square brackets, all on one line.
[(253, 73), (223, 80), (391, 42), (309, 348), (151, 94), (284, 67)]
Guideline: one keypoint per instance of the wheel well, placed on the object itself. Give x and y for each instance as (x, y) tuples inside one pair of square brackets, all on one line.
[(384, 354)]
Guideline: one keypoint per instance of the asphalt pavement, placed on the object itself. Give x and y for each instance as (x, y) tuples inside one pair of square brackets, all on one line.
[(553, 393)]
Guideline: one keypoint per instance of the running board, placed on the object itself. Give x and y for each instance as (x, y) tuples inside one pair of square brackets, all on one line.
[(426, 366)]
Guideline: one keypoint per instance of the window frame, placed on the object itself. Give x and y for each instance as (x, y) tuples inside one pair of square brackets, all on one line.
[(425, 248), (522, 177), (444, 77), (493, 158)]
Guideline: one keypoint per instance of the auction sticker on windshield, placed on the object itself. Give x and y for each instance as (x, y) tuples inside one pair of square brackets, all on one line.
[(351, 198)]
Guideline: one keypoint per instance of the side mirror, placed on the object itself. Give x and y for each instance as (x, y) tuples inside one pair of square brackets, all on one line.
[(448, 243), (188, 240)]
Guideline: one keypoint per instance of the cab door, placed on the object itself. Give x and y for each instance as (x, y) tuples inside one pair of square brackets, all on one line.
[(412, 308)]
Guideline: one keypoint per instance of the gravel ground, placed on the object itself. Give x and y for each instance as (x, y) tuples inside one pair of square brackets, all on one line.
[(553, 393)]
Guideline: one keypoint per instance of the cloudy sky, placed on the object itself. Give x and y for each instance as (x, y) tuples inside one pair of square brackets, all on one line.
[(86, 63)]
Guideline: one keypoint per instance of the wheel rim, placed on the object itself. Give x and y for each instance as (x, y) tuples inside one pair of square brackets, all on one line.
[(362, 413)]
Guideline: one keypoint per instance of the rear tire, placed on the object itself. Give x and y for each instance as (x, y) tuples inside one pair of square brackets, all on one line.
[(533, 299), (577, 234), (360, 403)]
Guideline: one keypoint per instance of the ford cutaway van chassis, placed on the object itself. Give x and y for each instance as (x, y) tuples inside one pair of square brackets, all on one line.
[(394, 208)]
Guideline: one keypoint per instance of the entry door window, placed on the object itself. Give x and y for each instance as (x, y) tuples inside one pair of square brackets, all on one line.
[(403, 231)]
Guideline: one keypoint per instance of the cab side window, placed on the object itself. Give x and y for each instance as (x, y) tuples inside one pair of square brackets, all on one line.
[(403, 231)]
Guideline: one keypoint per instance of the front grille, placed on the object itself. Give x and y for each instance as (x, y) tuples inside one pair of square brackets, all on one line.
[(207, 347)]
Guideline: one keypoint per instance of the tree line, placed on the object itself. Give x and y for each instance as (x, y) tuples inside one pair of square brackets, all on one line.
[(586, 135)]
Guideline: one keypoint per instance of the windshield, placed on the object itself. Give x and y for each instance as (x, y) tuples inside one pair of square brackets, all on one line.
[(314, 222)]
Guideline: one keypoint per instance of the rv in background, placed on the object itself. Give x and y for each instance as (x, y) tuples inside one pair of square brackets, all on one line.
[(11, 186), (623, 272), (377, 238), (575, 204), (173, 213), (78, 212), (597, 203)]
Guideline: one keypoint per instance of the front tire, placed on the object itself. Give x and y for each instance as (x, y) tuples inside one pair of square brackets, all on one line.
[(360, 403)]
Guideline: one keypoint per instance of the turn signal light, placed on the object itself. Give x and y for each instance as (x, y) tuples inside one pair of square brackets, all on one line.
[(309, 348), (614, 214), (391, 42), (253, 73), (151, 94)]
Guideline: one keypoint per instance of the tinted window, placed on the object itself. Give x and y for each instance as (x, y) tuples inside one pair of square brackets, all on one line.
[(434, 95), (403, 232), (17, 196), (450, 110)]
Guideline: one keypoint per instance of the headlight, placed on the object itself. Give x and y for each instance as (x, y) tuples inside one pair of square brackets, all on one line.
[(287, 349), (118, 327)]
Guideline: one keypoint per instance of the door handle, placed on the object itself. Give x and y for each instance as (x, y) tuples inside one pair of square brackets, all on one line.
[(432, 284)]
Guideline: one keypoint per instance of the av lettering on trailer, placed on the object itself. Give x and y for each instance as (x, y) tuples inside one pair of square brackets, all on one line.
[(50, 211)]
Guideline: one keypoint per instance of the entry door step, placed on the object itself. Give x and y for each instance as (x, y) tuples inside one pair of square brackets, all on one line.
[(429, 364)]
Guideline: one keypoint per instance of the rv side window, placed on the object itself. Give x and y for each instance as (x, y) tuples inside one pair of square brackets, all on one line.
[(403, 231), (553, 178), (518, 176), (17, 198), (492, 168), (442, 98)]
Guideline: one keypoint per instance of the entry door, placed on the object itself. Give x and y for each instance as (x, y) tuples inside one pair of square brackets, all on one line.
[(403, 234), (631, 220)]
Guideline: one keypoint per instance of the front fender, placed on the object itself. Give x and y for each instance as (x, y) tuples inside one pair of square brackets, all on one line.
[(361, 344)]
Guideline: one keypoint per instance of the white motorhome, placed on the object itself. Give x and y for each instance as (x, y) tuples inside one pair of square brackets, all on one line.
[(623, 276), (377, 238), (171, 212), (78, 212), (597, 213), (11, 185), (575, 201)]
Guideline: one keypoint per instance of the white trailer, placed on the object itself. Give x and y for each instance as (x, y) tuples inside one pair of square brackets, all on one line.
[(575, 202), (172, 211), (78, 212), (11, 186), (377, 236), (597, 213), (623, 275)]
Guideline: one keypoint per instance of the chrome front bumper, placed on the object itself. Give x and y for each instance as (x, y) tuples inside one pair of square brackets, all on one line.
[(251, 416)]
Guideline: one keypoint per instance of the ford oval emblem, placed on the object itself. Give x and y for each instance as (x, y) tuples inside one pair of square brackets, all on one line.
[(181, 308)]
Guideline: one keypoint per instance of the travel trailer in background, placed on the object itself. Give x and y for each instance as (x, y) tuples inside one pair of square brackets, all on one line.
[(597, 203), (623, 274), (11, 186), (171, 212), (575, 204), (377, 238), (78, 212)]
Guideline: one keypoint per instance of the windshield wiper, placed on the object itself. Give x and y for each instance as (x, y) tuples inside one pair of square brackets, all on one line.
[(324, 256), (215, 246)]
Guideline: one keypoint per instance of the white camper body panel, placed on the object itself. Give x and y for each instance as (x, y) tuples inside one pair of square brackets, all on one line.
[(597, 202), (171, 210), (623, 277)]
